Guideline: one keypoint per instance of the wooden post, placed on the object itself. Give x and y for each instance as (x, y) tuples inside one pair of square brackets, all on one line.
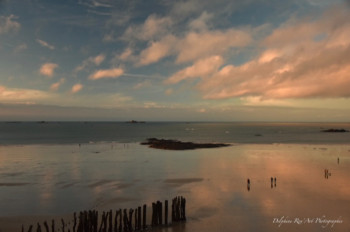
[(102, 220), (38, 228), (125, 220), (184, 209), (116, 221), (144, 216), (30, 228), (131, 211), (120, 220), (136, 219), (110, 221), (105, 222), (160, 213), (53, 226), (75, 221), (46, 226), (63, 226), (139, 217), (95, 221), (166, 212), (153, 214)]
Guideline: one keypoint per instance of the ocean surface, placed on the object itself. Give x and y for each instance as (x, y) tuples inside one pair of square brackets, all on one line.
[(50, 170), (97, 132)]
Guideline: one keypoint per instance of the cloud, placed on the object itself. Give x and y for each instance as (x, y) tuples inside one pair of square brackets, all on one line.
[(48, 69), (107, 73), (20, 48), (154, 27), (45, 44), (158, 50), (202, 68), (201, 23), (8, 24), (55, 86), (194, 45), (97, 60), (303, 59), (21, 96), (76, 88)]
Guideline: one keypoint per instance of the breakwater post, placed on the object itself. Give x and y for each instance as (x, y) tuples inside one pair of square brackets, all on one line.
[(127, 220)]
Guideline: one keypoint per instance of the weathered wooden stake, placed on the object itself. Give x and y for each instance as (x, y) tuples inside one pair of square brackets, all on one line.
[(139, 217), (30, 228), (144, 216), (63, 226), (53, 226), (46, 226), (120, 220), (166, 212), (110, 221)]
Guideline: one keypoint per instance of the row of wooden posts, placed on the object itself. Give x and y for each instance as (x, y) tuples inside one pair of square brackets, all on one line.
[(122, 221)]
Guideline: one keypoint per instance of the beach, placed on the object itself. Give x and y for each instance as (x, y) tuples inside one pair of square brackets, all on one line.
[(36, 186)]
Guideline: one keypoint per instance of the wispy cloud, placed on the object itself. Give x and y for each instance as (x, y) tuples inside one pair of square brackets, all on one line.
[(154, 27), (97, 60), (76, 88), (48, 69), (56, 85), (202, 68), (8, 24), (21, 96), (45, 44), (20, 48), (107, 73), (194, 45)]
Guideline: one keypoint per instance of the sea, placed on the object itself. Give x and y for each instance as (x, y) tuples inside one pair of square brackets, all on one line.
[(53, 169), (126, 132)]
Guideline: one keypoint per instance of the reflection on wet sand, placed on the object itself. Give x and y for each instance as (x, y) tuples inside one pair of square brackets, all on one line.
[(227, 189)]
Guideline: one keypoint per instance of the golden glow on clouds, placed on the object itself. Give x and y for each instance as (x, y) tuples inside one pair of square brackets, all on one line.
[(107, 73), (48, 69)]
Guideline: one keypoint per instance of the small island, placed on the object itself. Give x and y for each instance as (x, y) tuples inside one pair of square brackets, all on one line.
[(335, 130), (134, 121), (168, 144)]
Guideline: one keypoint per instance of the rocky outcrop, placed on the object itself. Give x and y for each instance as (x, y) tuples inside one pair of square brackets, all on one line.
[(335, 130), (178, 145)]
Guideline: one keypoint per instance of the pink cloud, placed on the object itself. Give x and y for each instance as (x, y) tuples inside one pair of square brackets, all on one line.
[(45, 44), (107, 73), (76, 88), (194, 45), (22, 96), (97, 60), (48, 69), (56, 85), (201, 68), (302, 59), (154, 27), (157, 50)]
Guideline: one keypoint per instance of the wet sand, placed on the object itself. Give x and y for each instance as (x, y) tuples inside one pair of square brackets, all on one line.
[(57, 180)]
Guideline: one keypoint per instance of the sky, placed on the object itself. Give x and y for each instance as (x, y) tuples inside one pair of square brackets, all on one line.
[(165, 60)]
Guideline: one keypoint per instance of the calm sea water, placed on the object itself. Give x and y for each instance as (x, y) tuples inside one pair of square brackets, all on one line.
[(87, 132)]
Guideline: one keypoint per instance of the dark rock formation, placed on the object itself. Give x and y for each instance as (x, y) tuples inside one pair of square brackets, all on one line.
[(178, 145), (335, 130)]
